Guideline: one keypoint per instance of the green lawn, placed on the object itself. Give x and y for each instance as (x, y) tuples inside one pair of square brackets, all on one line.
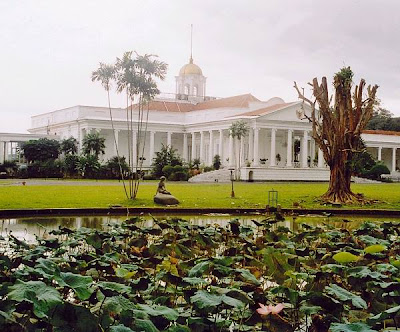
[(191, 195)]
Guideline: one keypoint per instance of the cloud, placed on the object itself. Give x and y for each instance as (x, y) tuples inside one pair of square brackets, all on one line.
[(49, 49)]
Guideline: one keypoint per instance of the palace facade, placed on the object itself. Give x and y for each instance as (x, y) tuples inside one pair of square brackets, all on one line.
[(279, 145)]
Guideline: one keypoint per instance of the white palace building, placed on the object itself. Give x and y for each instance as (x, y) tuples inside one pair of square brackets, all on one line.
[(198, 127)]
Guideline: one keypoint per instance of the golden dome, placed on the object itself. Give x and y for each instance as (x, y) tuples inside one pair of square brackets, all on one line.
[(190, 69)]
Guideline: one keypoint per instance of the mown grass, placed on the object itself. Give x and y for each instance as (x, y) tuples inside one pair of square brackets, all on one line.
[(190, 195)]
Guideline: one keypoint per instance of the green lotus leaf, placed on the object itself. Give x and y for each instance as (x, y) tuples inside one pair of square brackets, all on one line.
[(345, 257), (80, 284), (44, 298), (344, 295), (120, 328), (353, 327), (199, 269), (145, 325), (375, 248), (159, 310)]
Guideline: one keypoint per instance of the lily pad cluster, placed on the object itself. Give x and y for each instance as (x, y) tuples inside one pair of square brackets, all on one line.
[(171, 275)]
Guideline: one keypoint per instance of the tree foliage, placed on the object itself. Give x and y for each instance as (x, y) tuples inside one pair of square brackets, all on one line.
[(167, 156), (69, 146), (135, 75), (337, 125), (239, 130), (382, 119), (93, 145), (42, 149)]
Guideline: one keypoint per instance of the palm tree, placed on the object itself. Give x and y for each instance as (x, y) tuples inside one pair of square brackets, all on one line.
[(136, 76), (239, 129), (93, 145), (105, 74), (69, 146)]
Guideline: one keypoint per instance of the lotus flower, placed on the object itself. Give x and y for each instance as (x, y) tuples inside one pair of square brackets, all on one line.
[(270, 309)]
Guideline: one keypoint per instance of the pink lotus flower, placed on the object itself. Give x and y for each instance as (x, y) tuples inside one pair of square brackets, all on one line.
[(270, 309)]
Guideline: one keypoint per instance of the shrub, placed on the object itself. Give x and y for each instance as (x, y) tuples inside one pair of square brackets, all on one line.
[(168, 170), (217, 162), (377, 170), (69, 165), (166, 156), (208, 169), (112, 168), (45, 169), (149, 177)]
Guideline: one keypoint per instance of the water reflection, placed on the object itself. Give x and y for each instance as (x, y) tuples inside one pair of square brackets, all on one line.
[(28, 228)]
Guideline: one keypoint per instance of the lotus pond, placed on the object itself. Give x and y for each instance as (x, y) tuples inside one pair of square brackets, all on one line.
[(203, 273)]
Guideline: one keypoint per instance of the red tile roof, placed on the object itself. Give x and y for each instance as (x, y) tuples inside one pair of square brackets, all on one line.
[(168, 106), (381, 132), (241, 101), (266, 110)]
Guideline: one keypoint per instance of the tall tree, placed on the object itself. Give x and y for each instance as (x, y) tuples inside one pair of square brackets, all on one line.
[(239, 130), (337, 128), (42, 149), (136, 76), (105, 74), (69, 146), (93, 145)]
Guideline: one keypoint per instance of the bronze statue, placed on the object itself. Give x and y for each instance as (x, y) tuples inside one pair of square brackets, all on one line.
[(161, 187), (163, 196)]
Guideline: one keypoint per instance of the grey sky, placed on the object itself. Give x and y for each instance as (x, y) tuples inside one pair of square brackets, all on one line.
[(49, 48)]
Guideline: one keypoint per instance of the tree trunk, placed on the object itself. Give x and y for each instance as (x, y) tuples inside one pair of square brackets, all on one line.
[(339, 183)]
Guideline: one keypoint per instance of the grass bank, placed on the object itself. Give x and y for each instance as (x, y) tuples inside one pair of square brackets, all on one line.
[(248, 195)]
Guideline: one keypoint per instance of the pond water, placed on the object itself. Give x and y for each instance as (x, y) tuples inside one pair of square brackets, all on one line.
[(28, 228)]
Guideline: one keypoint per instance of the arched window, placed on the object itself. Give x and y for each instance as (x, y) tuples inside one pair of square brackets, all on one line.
[(195, 90), (187, 89)]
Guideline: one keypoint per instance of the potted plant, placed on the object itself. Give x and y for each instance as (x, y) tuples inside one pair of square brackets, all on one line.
[(262, 161)]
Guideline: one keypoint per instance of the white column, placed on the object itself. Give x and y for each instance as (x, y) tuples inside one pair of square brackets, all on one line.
[(273, 148), (312, 152), (169, 139), (251, 145), (211, 149), (134, 148), (394, 160), (115, 141), (304, 146), (151, 149), (202, 146), (185, 147), (241, 151), (379, 153), (289, 149), (255, 147), (193, 146), (320, 159), (221, 142), (2, 151), (231, 161)]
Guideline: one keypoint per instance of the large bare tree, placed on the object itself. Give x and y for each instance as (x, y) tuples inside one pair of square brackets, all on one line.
[(337, 124)]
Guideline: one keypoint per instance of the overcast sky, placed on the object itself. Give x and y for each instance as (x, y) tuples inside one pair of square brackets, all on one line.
[(49, 48)]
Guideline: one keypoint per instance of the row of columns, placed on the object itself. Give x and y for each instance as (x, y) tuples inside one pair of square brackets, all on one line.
[(253, 147), (394, 151)]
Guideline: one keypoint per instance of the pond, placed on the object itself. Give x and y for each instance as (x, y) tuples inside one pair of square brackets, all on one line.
[(204, 273), (28, 228)]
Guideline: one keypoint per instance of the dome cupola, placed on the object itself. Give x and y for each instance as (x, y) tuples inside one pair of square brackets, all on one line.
[(190, 69)]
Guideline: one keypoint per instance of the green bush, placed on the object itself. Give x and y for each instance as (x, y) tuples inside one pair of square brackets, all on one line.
[(217, 162), (168, 170), (69, 165), (45, 169), (208, 169), (166, 156), (376, 171)]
